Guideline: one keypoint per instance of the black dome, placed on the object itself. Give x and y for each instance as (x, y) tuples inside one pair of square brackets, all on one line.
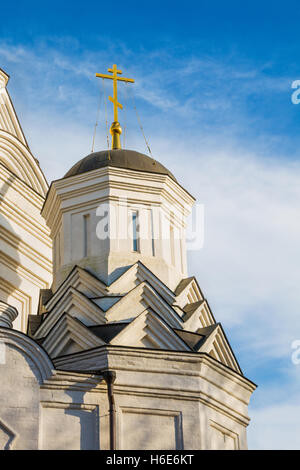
[(128, 159)]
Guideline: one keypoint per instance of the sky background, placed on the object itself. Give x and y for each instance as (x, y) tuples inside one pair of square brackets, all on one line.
[(213, 91)]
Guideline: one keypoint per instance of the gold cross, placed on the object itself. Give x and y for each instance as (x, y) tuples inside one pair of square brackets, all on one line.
[(115, 129)]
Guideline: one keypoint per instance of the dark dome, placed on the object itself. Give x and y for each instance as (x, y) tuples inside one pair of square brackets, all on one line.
[(128, 159)]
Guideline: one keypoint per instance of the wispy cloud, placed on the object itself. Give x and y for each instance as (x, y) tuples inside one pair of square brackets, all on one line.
[(276, 427)]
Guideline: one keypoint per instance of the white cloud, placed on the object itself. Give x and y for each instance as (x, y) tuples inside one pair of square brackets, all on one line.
[(275, 427), (249, 262)]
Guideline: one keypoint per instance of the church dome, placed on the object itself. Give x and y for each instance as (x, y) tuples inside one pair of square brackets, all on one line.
[(128, 159)]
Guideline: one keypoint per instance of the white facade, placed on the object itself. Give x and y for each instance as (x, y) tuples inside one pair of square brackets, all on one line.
[(25, 245), (123, 351), (77, 204), (163, 400)]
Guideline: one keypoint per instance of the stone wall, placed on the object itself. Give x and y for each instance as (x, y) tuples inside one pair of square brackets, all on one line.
[(163, 400)]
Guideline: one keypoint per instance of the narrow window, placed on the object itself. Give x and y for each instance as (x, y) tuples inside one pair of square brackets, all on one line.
[(86, 235), (152, 232), (135, 231)]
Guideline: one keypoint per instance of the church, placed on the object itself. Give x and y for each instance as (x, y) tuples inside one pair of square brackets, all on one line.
[(106, 341)]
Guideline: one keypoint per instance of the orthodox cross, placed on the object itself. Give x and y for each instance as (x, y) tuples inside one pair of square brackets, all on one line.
[(115, 129)]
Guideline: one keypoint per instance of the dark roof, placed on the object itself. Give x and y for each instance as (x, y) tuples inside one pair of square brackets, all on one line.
[(182, 285), (189, 309), (107, 332), (207, 330), (34, 321), (196, 339), (191, 338), (45, 295), (128, 159)]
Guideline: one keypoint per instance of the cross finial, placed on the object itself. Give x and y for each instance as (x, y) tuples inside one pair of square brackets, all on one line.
[(115, 129)]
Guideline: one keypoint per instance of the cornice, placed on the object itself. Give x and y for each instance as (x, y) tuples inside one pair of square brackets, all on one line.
[(22, 188), (27, 250), (4, 77), (142, 355), (104, 181), (25, 221), (23, 272), (18, 151), (29, 349), (8, 314)]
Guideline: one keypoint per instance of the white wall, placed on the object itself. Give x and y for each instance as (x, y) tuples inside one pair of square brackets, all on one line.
[(111, 195), (155, 408)]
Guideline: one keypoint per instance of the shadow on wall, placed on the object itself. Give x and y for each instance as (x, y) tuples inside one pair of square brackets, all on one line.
[(73, 425), (86, 417), (146, 429), (9, 255), (19, 391)]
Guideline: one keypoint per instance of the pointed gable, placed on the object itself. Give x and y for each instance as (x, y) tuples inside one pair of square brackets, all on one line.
[(134, 276), (215, 343), (136, 310), (76, 305), (188, 292), (69, 335), (149, 330), (81, 280), (133, 303)]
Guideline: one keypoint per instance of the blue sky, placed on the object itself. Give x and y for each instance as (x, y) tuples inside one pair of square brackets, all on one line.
[(213, 89)]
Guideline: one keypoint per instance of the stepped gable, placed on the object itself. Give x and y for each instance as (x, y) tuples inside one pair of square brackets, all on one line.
[(143, 315)]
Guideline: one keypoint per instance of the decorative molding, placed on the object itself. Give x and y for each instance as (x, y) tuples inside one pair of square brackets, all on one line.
[(31, 350), (89, 312), (200, 317), (22, 271), (16, 156), (79, 279), (227, 434), (18, 244), (26, 221), (217, 346), (177, 415), (152, 331), (68, 409), (134, 363), (8, 314), (13, 181), (66, 330), (20, 296), (3, 79), (114, 180)]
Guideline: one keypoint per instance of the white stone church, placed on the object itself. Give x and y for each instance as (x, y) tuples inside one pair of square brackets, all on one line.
[(106, 342)]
